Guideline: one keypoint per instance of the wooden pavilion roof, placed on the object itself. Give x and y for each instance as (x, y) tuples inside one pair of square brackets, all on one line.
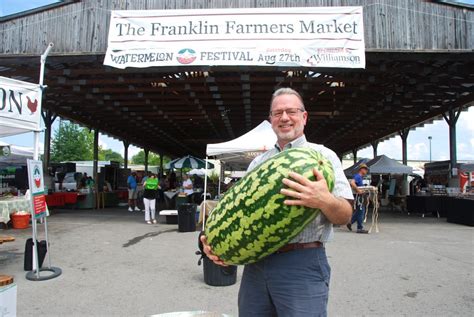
[(179, 110)]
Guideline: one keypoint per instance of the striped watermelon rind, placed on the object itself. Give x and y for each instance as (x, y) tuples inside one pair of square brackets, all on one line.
[(251, 221)]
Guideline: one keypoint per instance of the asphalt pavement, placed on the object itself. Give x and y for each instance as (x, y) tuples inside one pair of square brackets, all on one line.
[(116, 265)]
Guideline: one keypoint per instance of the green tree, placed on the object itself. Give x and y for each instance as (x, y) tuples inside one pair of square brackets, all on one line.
[(72, 143), (139, 158), (109, 155), (153, 159)]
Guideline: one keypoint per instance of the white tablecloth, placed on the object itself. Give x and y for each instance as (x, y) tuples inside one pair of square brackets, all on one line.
[(11, 205)]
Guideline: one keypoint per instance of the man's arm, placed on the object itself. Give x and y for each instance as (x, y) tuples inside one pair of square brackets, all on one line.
[(316, 195), (354, 187)]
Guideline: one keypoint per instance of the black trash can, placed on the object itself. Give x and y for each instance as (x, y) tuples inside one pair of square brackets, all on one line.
[(187, 217), (40, 247), (216, 275)]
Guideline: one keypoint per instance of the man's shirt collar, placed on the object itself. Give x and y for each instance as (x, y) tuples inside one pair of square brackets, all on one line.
[(295, 143)]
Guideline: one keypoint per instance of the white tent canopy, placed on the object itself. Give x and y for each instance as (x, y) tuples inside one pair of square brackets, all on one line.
[(239, 152), (18, 155), (197, 171)]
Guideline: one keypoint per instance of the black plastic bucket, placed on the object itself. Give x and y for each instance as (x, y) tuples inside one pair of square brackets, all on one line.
[(216, 275)]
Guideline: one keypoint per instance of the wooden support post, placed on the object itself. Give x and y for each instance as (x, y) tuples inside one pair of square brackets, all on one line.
[(354, 154), (161, 165), (451, 118), (125, 154), (375, 144), (95, 166), (404, 135), (147, 151), (48, 119)]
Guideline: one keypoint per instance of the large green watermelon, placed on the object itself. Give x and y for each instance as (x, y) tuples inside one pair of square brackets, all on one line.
[(251, 221)]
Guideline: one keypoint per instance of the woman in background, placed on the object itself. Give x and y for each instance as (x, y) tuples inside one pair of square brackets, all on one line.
[(149, 198)]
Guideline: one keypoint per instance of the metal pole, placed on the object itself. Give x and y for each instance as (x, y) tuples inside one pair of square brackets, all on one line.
[(36, 267), (429, 138), (219, 185), (36, 157), (43, 61), (48, 253), (205, 196)]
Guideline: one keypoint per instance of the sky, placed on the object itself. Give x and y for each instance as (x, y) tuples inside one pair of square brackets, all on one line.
[(13, 6), (418, 143)]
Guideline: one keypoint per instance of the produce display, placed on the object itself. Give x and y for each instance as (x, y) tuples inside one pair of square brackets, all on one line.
[(251, 221)]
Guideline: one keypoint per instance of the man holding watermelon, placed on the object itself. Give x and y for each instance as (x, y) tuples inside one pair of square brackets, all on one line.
[(294, 281)]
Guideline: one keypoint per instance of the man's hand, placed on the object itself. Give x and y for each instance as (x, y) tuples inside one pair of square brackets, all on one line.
[(207, 249), (315, 194), (312, 194)]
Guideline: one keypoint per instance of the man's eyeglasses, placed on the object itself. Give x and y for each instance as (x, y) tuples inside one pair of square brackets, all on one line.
[(290, 112)]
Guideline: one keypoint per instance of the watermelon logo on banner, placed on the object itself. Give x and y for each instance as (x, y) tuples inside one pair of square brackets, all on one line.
[(186, 56)]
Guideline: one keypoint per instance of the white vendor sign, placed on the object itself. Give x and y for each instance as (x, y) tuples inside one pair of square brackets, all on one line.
[(20, 107), (306, 37)]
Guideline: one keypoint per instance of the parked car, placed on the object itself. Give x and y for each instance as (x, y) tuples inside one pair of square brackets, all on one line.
[(67, 183)]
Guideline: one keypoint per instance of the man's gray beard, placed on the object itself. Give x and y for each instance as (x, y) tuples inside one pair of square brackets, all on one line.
[(288, 136)]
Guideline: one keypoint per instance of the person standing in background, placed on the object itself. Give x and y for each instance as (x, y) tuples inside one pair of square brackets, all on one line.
[(187, 185), (149, 198), (359, 212), (132, 192)]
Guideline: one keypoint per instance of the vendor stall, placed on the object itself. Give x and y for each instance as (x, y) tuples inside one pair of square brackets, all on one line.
[(441, 201), (61, 199), (460, 210)]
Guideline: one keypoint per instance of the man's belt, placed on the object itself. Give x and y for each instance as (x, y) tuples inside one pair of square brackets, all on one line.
[(298, 246)]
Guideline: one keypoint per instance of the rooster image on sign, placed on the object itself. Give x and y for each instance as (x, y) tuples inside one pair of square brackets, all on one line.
[(186, 56), (32, 105)]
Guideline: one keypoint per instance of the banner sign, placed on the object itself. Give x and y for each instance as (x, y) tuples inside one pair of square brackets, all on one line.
[(36, 182), (306, 37), (20, 106)]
